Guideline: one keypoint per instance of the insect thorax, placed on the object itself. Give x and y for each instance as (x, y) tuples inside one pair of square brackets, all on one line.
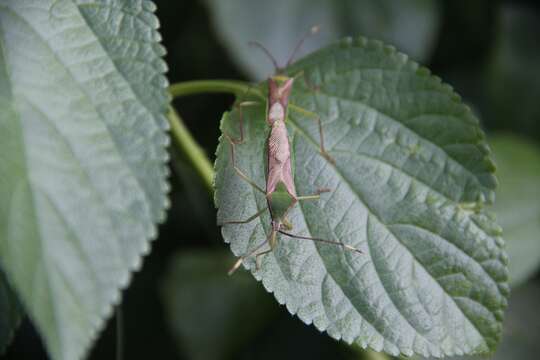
[(280, 201), (276, 113)]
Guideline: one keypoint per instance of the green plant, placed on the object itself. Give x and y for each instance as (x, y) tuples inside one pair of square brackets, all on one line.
[(85, 117)]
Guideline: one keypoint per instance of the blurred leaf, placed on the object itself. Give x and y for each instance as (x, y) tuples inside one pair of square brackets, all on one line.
[(287, 338), (82, 152), (467, 32), (10, 313), (411, 25), (518, 203), (194, 195), (412, 173), (212, 314), (464, 46), (513, 77)]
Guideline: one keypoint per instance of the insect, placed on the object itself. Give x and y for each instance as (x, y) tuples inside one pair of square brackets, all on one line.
[(280, 191)]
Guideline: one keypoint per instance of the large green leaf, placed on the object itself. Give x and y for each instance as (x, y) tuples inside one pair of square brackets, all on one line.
[(205, 307), (409, 24), (518, 203), (10, 313), (412, 172), (82, 157)]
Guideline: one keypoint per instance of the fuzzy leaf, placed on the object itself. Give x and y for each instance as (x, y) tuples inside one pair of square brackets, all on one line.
[(412, 172), (82, 158)]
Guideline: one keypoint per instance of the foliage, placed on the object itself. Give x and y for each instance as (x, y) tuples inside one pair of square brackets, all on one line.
[(83, 180), (199, 296), (82, 152), (411, 175)]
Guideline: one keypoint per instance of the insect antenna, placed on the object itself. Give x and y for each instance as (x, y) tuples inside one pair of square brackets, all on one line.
[(345, 246), (312, 31), (257, 44), (278, 69)]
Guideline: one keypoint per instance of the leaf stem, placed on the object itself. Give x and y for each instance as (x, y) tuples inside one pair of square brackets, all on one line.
[(193, 151), (234, 87), (180, 132)]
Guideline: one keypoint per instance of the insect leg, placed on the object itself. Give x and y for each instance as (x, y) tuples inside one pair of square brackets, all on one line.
[(238, 171), (272, 242), (315, 196), (338, 243), (240, 106), (317, 118), (248, 220), (309, 83), (252, 252)]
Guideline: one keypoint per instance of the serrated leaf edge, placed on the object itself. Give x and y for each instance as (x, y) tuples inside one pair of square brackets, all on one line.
[(101, 319)]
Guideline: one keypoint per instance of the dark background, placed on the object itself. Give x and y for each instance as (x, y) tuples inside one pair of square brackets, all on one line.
[(468, 32)]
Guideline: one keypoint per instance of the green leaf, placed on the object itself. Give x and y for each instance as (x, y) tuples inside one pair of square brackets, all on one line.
[(412, 172), (205, 306), (10, 313), (82, 158), (518, 203), (410, 24)]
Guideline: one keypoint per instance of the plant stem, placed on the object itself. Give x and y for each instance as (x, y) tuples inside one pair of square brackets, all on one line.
[(235, 87), (191, 149), (184, 140)]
